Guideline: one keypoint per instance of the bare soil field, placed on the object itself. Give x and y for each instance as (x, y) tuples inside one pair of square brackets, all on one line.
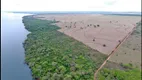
[(130, 50), (100, 32)]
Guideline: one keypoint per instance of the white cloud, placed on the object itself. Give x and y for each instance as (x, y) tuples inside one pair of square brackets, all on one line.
[(126, 5), (71, 5)]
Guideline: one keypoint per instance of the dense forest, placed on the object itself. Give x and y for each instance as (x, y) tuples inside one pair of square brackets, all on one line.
[(52, 55)]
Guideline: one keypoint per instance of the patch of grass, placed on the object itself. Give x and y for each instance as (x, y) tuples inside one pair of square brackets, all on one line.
[(127, 66), (116, 74), (52, 55), (128, 73)]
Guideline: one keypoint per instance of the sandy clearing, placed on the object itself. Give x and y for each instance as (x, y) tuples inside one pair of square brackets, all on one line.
[(83, 27)]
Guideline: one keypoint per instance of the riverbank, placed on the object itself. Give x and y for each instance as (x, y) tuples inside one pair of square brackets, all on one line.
[(53, 55)]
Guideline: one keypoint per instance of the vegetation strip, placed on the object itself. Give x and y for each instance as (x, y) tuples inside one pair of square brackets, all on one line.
[(52, 55)]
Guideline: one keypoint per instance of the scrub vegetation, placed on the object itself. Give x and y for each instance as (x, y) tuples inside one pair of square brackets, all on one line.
[(137, 31), (128, 73), (52, 55)]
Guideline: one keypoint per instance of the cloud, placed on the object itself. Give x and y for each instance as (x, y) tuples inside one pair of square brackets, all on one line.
[(71, 5), (126, 5), (112, 2)]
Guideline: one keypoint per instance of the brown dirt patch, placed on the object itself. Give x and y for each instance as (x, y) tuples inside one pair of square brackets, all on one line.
[(83, 27)]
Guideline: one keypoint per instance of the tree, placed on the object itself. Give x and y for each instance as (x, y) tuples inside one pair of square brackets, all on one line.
[(94, 25), (104, 45), (98, 25)]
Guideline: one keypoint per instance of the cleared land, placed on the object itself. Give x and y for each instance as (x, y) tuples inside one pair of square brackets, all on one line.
[(125, 64), (100, 32), (130, 50)]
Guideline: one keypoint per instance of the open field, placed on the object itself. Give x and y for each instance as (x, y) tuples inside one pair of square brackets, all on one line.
[(130, 50), (100, 32), (125, 63)]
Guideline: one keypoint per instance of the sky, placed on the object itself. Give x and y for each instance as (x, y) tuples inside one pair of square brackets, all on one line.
[(71, 5)]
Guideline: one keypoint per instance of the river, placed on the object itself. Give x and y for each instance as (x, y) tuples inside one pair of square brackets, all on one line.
[(13, 35)]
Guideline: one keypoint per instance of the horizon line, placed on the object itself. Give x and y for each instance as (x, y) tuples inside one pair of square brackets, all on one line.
[(75, 11)]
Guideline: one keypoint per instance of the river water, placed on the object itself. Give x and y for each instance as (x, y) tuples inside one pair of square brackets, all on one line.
[(13, 35)]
